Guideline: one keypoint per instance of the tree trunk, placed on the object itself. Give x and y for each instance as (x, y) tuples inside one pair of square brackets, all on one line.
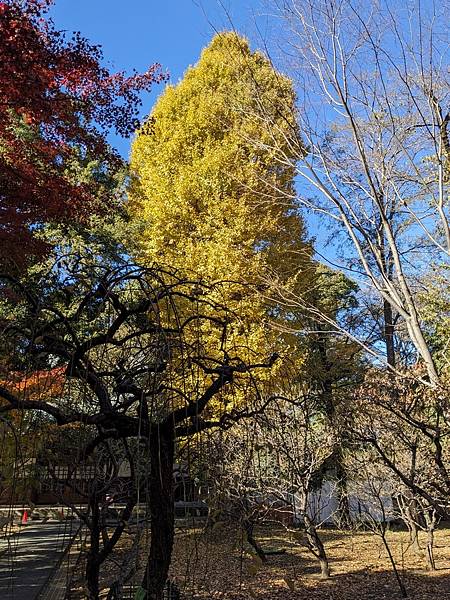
[(430, 519), (161, 447), (344, 519), (430, 551), (316, 546), (92, 560), (410, 516), (414, 536), (389, 332), (249, 527), (401, 585)]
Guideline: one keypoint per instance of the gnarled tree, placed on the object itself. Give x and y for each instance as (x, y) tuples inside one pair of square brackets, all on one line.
[(134, 367)]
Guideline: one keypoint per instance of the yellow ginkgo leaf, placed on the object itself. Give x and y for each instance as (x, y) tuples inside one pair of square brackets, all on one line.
[(215, 202)]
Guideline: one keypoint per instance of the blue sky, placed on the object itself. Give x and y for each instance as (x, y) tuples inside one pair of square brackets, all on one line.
[(136, 33)]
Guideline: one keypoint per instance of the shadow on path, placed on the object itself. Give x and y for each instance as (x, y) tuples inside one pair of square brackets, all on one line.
[(30, 557)]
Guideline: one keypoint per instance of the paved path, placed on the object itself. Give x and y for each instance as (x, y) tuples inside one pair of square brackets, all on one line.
[(30, 558)]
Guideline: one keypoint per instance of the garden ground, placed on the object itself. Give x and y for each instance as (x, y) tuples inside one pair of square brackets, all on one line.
[(217, 564), (359, 564)]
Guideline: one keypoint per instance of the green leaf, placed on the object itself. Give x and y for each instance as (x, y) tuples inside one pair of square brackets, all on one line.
[(140, 594)]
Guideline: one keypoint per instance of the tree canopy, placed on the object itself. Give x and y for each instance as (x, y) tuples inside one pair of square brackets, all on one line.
[(214, 200), (58, 103)]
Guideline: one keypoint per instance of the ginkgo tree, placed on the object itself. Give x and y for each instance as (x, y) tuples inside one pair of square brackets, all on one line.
[(215, 205)]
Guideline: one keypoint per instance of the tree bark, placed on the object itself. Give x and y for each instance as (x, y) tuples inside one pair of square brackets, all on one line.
[(249, 528), (410, 515), (161, 497), (316, 546), (389, 332), (430, 551), (430, 520), (344, 519), (401, 585), (92, 561), (414, 535), (327, 399)]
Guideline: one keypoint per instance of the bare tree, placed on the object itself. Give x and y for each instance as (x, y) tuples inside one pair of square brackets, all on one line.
[(302, 445), (400, 424), (373, 493), (273, 468), (373, 116)]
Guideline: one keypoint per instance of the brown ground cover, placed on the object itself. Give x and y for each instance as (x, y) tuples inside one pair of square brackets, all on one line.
[(218, 565)]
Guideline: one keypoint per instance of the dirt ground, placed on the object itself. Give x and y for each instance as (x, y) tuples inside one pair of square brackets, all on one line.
[(218, 565)]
